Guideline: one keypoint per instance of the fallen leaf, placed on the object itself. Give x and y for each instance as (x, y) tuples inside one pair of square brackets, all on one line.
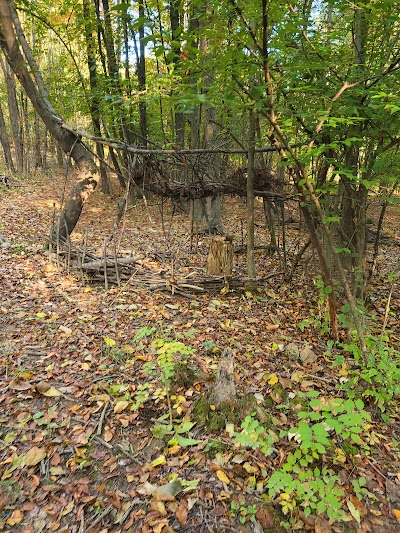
[(66, 330), (68, 508), (307, 356), (355, 513), (120, 406), (223, 477), (396, 514), (273, 379), (159, 461), (182, 512), (47, 390), (34, 456), (15, 518), (18, 385), (321, 525)]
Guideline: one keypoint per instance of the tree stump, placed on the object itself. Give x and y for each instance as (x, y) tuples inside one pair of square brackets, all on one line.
[(220, 256), (224, 390)]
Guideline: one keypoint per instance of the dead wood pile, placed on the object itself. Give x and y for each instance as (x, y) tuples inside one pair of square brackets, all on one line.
[(117, 270)]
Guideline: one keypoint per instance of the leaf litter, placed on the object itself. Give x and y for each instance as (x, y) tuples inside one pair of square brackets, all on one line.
[(75, 453)]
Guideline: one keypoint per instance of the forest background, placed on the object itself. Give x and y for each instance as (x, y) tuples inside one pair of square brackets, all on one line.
[(132, 134)]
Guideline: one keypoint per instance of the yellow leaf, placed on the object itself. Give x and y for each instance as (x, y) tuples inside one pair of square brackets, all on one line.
[(57, 471), (87, 289), (355, 513), (40, 315), (52, 392), (34, 456), (127, 348), (85, 366), (223, 477), (120, 406), (68, 508), (273, 379), (174, 449), (15, 518), (159, 461), (396, 514), (285, 496), (249, 468), (109, 341), (340, 456), (375, 512)]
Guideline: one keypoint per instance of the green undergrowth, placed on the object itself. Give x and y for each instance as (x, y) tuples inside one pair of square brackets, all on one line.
[(320, 433)]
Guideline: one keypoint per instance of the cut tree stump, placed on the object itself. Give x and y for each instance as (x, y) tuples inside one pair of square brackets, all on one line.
[(220, 256), (224, 389)]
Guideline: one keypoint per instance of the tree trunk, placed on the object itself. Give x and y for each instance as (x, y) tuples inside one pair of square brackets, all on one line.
[(5, 143), (94, 100), (251, 267), (220, 257), (89, 175), (141, 72), (14, 114)]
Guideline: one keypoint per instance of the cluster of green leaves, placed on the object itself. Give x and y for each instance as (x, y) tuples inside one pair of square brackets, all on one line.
[(252, 435), (165, 354), (379, 379), (302, 481), (245, 513)]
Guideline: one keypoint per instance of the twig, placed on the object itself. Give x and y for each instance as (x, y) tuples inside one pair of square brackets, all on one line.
[(103, 442), (101, 421), (117, 447), (100, 517), (105, 264), (376, 469), (129, 455)]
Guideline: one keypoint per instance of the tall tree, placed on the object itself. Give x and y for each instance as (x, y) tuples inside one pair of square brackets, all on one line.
[(89, 175)]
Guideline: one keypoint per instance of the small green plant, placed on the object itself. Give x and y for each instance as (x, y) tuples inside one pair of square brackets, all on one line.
[(379, 379), (245, 513), (360, 490), (316, 491), (253, 435), (143, 333)]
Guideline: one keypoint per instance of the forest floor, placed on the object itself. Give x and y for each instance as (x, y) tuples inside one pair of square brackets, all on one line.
[(77, 451)]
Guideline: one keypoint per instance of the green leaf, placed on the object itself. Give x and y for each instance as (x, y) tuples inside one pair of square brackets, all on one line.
[(185, 441)]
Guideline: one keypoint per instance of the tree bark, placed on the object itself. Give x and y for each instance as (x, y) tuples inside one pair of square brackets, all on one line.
[(220, 257)]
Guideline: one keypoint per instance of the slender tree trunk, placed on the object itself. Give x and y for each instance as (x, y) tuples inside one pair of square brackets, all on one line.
[(174, 12), (14, 113), (251, 267), (141, 72), (5, 143), (94, 100)]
